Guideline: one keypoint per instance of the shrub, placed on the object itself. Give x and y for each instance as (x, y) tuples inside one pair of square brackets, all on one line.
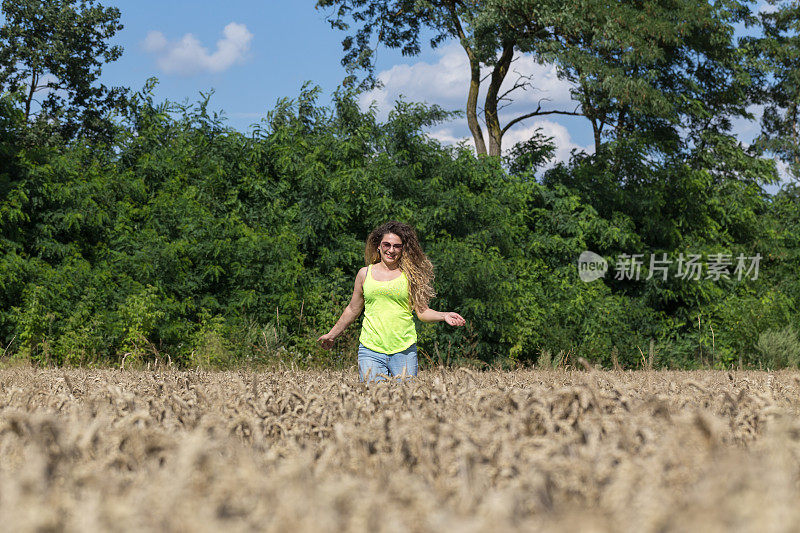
[(779, 348)]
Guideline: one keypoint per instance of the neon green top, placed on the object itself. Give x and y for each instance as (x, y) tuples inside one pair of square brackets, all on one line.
[(388, 326)]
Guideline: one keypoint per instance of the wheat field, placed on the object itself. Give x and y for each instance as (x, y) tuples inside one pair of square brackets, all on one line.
[(454, 450)]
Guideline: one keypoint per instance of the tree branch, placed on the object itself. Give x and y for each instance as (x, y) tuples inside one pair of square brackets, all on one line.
[(538, 113), (517, 85)]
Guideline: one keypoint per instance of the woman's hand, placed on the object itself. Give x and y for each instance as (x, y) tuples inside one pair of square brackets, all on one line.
[(326, 341), (429, 315), (454, 319)]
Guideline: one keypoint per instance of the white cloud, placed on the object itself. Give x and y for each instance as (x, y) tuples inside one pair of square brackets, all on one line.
[(783, 176), (448, 136), (188, 56), (783, 171), (747, 130), (559, 133), (544, 81), (155, 42), (446, 83), (766, 7)]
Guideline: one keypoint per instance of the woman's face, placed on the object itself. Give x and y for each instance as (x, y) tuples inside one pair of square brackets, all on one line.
[(391, 249)]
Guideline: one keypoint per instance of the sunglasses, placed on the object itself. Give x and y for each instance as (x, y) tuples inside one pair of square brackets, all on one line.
[(388, 246)]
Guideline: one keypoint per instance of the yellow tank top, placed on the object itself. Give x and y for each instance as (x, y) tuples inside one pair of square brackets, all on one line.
[(388, 326)]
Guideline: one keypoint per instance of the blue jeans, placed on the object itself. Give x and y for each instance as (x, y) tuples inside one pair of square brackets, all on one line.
[(377, 363)]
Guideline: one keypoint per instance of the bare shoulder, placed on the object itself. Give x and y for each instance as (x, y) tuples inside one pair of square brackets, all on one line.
[(361, 276)]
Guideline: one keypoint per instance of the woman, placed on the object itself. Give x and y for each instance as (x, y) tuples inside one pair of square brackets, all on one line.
[(396, 279)]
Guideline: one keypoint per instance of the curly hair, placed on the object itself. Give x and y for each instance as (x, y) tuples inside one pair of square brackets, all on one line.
[(413, 262)]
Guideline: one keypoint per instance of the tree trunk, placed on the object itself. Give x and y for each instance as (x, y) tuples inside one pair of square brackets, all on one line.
[(472, 102), (31, 91), (492, 119), (796, 147), (474, 82)]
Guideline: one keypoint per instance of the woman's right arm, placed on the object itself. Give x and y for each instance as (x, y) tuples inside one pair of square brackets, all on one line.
[(349, 314)]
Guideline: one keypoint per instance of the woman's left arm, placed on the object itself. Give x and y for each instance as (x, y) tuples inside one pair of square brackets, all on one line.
[(429, 315)]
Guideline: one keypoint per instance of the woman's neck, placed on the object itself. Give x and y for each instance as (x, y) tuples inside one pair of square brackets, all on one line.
[(384, 266)]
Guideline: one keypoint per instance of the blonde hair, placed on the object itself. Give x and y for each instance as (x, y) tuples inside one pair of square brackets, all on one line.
[(413, 261)]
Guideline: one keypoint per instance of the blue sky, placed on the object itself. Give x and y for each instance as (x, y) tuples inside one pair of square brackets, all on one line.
[(278, 45), (271, 48), (253, 53)]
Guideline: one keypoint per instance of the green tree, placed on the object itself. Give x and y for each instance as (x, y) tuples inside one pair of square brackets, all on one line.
[(779, 48), (653, 67), (56, 48), (487, 38)]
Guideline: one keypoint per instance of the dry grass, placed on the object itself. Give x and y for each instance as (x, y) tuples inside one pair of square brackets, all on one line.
[(454, 450)]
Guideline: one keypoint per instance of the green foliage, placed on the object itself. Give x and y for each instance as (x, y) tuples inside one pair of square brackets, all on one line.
[(160, 235), (396, 24), (212, 347), (186, 242), (660, 69), (530, 155), (779, 348), (57, 48), (139, 314), (652, 67), (778, 54)]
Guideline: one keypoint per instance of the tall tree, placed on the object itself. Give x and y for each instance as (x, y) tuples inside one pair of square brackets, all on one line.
[(780, 49), (488, 41), (648, 65), (51, 55)]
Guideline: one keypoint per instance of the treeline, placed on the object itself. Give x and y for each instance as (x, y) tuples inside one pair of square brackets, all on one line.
[(180, 239), (138, 231)]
